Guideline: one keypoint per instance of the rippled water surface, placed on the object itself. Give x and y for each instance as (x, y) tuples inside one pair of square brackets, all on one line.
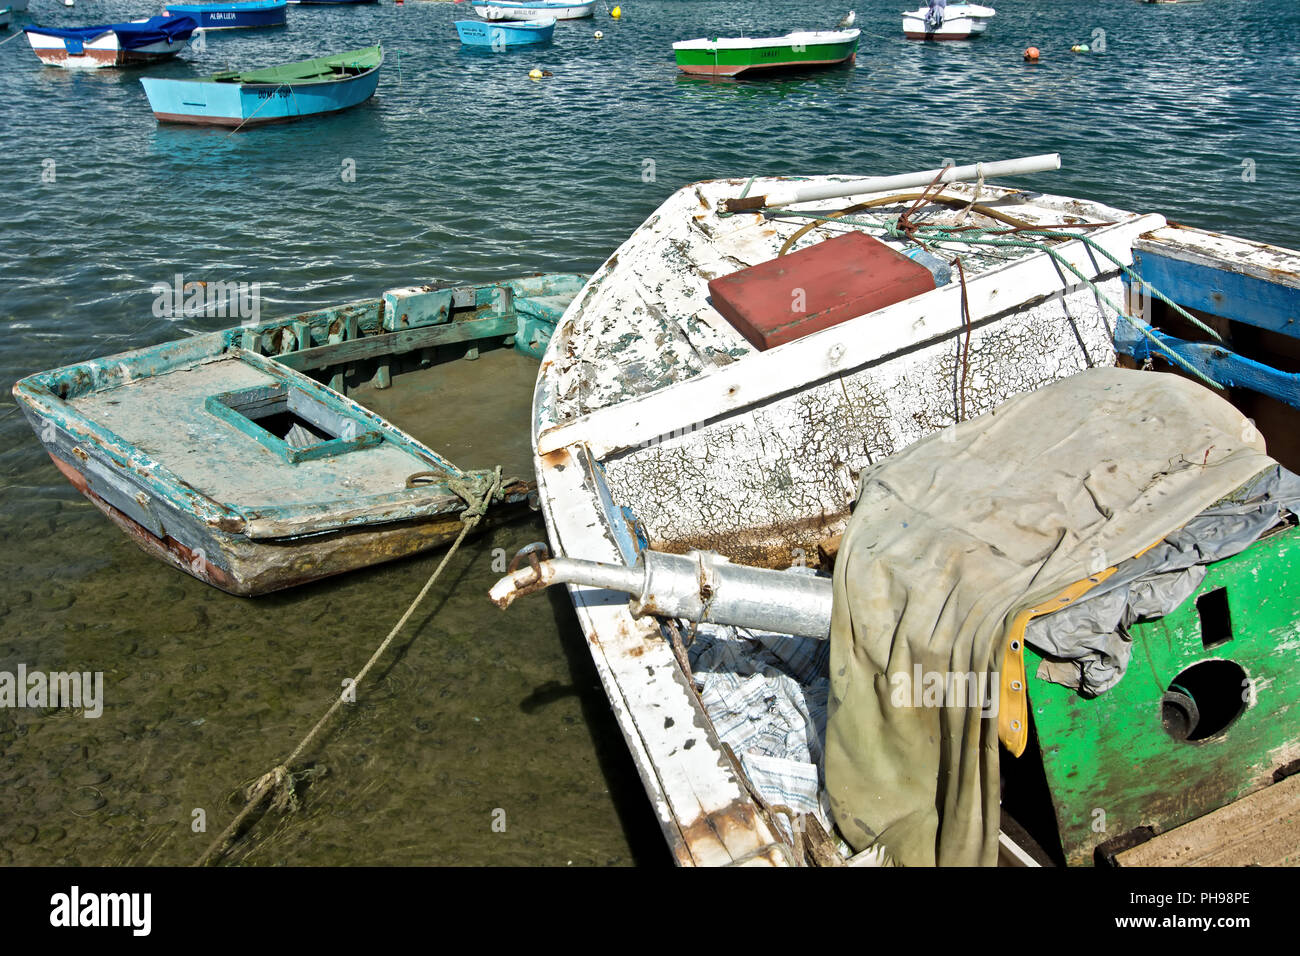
[(466, 169)]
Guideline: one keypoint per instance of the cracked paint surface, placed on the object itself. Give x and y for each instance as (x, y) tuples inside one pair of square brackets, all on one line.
[(759, 485), (645, 321)]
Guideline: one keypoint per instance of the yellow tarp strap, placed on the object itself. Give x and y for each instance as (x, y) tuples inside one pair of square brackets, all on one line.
[(1013, 706)]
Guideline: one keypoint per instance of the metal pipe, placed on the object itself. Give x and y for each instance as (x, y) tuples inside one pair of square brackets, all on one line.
[(700, 586), (811, 192)]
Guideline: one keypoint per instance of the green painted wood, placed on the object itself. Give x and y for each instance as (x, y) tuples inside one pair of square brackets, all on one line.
[(1111, 765), (393, 343), (767, 56), (322, 69), (413, 308)]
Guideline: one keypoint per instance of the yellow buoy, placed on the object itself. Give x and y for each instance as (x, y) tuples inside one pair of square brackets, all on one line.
[(616, 12), (534, 74)]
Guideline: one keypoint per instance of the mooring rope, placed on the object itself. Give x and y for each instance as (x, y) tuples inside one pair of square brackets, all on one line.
[(929, 236), (259, 108), (478, 491)]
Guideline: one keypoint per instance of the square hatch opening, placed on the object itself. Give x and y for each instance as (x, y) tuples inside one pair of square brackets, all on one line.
[(291, 423)]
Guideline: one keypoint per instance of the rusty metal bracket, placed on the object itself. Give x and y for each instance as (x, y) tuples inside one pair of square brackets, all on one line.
[(530, 553)]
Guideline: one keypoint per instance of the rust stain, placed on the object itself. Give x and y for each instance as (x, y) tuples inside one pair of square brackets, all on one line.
[(736, 823)]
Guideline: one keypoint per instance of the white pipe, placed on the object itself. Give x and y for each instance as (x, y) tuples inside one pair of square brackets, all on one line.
[(1007, 167)]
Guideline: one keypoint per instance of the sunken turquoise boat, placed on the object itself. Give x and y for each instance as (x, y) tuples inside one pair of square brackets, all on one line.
[(249, 457)]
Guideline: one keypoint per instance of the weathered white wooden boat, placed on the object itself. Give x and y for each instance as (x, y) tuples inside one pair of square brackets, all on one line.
[(940, 21), (235, 456), (663, 428)]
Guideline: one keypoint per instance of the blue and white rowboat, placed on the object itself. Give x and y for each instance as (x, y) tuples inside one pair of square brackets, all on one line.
[(276, 94), (232, 16), (534, 10), (500, 35)]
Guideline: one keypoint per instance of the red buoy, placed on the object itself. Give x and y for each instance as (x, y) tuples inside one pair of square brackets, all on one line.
[(1031, 54)]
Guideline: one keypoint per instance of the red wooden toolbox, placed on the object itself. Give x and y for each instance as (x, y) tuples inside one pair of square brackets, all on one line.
[(834, 281)]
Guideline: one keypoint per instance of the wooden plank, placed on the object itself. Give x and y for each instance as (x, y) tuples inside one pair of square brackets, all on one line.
[(1220, 364), (395, 343), (705, 812), (1262, 829), (1246, 282)]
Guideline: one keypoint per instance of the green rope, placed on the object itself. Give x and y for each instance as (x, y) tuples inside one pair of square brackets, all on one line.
[(929, 236)]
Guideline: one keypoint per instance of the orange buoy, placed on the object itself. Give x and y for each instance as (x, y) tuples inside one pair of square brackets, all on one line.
[(1031, 54)]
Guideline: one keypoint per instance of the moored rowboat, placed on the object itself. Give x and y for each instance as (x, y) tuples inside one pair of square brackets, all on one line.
[(957, 21), (275, 94), (498, 35), (534, 10), (237, 457), (733, 56), (113, 44), (233, 16)]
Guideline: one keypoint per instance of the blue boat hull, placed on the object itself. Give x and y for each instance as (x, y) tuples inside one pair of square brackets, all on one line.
[(253, 104), (234, 16), (498, 36)]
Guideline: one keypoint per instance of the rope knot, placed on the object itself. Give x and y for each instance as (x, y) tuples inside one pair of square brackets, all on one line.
[(478, 491)]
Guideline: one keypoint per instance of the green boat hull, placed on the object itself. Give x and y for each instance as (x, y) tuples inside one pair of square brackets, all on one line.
[(721, 61)]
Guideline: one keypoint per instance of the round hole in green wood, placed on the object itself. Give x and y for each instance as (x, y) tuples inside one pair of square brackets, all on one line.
[(1203, 700)]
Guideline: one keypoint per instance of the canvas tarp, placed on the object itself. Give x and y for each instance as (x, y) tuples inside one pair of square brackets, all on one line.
[(954, 544)]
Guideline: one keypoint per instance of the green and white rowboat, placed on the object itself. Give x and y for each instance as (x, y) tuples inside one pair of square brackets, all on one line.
[(732, 56)]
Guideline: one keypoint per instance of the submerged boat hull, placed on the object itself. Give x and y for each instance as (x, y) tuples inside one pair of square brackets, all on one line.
[(155, 441), (734, 56), (234, 16)]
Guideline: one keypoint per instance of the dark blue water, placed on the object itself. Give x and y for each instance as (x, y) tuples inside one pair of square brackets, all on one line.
[(466, 169)]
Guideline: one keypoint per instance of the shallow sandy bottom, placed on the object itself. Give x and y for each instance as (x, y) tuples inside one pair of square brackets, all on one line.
[(471, 711)]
